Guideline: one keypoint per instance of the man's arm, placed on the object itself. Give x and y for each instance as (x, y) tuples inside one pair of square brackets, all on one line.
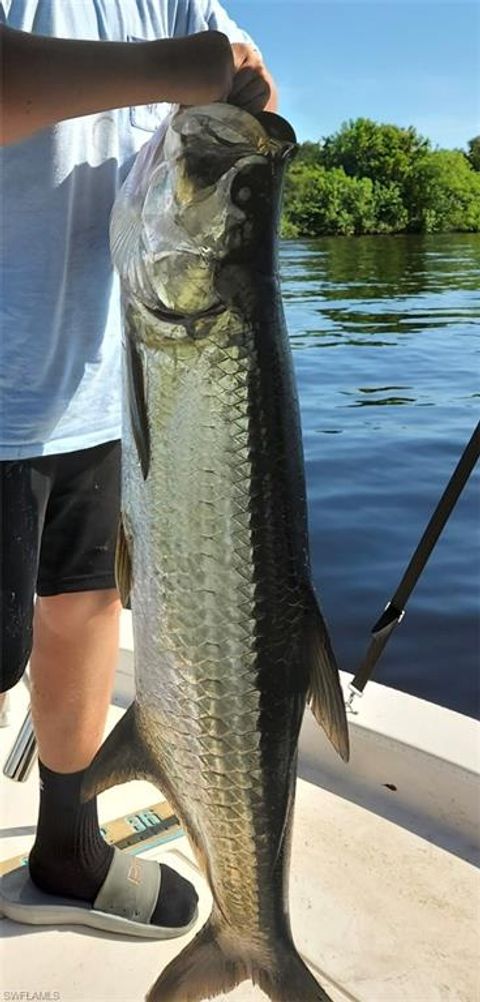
[(47, 79)]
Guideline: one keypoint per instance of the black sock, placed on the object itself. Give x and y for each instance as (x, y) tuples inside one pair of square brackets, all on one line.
[(70, 857)]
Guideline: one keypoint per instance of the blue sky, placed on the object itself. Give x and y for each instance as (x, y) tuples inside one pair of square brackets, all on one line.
[(407, 63)]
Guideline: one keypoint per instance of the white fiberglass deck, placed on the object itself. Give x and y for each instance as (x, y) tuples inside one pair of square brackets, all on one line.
[(379, 913)]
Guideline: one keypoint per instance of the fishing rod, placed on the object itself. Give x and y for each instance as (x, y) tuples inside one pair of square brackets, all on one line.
[(394, 611)]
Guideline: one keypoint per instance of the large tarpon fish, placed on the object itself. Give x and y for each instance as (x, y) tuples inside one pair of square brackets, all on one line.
[(213, 551)]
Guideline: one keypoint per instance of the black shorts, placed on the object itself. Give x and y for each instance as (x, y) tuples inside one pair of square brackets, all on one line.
[(58, 533)]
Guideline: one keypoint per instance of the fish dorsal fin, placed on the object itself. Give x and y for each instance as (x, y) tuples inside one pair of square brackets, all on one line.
[(325, 694), (123, 565), (137, 400)]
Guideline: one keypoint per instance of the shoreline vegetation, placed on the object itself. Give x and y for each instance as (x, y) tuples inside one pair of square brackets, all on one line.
[(371, 178)]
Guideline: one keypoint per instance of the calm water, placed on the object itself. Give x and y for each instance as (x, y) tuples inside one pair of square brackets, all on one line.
[(386, 351)]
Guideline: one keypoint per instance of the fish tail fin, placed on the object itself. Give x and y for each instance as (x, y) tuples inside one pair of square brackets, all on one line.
[(290, 981), (202, 970), (212, 965), (325, 694)]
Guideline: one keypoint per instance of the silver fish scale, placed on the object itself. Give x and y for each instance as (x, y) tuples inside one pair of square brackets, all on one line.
[(197, 601)]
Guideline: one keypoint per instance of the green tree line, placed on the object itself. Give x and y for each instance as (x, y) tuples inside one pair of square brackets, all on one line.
[(374, 178)]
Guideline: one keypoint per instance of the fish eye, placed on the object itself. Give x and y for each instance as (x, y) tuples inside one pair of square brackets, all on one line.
[(244, 194)]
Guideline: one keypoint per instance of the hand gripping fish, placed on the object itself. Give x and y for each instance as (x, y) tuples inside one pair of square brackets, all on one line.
[(213, 548)]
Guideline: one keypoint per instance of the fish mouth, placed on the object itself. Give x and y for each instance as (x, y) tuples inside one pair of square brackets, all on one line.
[(279, 129)]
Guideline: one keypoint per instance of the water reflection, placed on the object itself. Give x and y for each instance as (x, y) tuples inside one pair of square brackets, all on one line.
[(382, 266), (396, 401), (385, 401), (382, 432), (385, 287)]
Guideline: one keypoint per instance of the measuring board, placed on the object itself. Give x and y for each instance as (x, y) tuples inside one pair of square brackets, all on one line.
[(135, 832)]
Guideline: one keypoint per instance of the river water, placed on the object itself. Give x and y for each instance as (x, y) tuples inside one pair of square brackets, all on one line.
[(384, 332)]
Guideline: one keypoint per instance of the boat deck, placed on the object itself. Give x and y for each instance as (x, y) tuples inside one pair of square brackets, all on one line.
[(379, 913)]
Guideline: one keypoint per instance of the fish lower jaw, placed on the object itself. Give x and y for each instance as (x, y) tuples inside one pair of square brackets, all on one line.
[(176, 318)]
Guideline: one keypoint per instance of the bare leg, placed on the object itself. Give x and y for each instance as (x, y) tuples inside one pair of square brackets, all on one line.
[(3, 709), (75, 648)]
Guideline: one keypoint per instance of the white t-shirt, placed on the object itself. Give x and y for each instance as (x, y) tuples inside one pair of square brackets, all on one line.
[(60, 343)]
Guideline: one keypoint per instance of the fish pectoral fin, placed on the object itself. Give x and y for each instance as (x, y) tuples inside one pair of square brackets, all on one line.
[(325, 694), (123, 565), (123, 756), (137, 399), (212, 965)]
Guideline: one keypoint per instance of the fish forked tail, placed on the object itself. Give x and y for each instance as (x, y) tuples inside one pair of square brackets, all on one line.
[(210, 966)]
